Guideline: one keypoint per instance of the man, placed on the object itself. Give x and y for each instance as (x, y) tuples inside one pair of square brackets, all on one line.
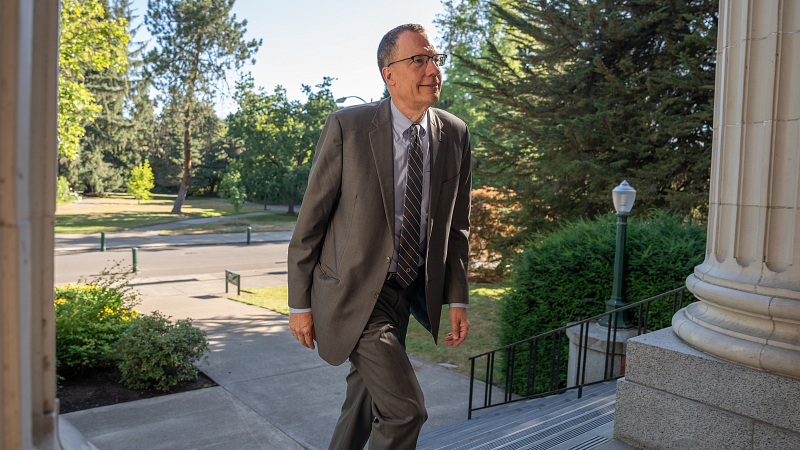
[(383, 233)]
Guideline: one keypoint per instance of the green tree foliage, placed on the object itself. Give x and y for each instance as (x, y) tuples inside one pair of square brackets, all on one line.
[(198, 42), (217, 153), (279, 137), (566, 275), (595, 92), (232, 189), (109, 147), (141, 181), (210, 149), (90, 41)]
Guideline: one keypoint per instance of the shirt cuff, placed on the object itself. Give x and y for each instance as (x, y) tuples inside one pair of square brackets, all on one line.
[(300, 310), (458, 305)]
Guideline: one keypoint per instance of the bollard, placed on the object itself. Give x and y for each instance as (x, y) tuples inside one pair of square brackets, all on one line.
[(135, 259), (102, 241), (248, 234)]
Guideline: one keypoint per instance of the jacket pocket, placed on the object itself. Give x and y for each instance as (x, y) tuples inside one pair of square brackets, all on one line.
[(325, 272)]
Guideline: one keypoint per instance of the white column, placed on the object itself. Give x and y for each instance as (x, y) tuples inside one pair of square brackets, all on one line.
[(28, 152), (749, 283)]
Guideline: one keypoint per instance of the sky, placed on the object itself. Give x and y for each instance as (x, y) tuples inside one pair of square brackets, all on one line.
[(306, 40)]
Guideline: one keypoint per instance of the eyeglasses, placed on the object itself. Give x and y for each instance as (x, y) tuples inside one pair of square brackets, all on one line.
[(420, 61)]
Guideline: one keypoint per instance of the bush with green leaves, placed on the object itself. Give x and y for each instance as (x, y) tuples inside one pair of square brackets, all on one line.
[(141, 181), (567, 275), (65, 195), (90, 317), (157, 353), (232, 189)]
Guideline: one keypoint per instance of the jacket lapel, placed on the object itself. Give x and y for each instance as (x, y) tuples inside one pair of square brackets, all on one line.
[(438, 139), (380, 140)]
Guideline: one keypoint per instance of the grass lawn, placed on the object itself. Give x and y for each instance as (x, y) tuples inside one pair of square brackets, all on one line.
[(117, 212), (275, 298), (483, 304), (267, 222)]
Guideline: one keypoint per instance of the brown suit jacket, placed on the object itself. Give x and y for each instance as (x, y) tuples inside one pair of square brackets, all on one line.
[(344, 238)]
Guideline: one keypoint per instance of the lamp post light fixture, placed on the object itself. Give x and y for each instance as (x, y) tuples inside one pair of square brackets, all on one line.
[(624, 196), (342, 99)]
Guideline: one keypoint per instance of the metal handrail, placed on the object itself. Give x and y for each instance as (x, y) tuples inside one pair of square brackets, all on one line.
[(555, 365)]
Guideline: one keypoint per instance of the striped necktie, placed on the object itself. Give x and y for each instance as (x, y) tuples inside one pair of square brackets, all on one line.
[(409, 235)]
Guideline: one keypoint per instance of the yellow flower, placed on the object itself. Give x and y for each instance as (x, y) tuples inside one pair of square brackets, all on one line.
[(60, 301)]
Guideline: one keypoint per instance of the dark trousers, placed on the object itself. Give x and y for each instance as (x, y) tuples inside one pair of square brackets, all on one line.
[(384, 402)]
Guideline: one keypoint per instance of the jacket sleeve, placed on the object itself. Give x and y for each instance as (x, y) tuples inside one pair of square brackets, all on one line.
[(319, 203), (456, 284)]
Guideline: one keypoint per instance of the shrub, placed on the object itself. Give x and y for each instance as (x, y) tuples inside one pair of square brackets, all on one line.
[(90, 317), (141, 181), (232, 189), (567, 275), (64, 194), (157, 353)]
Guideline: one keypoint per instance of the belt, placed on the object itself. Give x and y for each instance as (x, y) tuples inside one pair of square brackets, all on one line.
[(391, 277), (391, 280)]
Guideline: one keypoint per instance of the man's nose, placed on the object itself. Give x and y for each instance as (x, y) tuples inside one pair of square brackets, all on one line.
[(432, 69)]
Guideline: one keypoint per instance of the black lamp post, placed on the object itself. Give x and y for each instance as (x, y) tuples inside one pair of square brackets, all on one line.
[(624, 196)]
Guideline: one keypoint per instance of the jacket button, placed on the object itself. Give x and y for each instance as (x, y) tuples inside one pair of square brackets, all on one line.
[(375, 294), (388, 259)]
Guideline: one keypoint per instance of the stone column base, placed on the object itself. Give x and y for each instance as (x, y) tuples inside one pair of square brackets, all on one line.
[(676, 397), (595, 359)]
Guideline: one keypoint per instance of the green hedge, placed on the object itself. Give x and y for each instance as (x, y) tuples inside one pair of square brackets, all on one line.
[(567, 275)]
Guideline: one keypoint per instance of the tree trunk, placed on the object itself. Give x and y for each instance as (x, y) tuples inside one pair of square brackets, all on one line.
[(187, 160), (187, 132), (290, 212)]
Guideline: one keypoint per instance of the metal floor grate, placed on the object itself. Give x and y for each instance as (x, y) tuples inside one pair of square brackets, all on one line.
[(526, 443), (590, 444), (553, 426)]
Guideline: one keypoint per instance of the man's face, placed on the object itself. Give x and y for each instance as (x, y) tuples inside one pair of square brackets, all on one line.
[(415, 89)]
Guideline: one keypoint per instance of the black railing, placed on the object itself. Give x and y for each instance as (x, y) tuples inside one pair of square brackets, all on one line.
[(545, 355)]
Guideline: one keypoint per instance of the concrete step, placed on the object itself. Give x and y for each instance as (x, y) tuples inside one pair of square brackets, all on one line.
[(539, 424)]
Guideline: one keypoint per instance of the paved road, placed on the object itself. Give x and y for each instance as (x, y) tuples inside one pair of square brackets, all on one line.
[(148, 236), (176, 263)]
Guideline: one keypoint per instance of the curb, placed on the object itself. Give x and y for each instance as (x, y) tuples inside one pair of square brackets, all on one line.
[(80, 250)]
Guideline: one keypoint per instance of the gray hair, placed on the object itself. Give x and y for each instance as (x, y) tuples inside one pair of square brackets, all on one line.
[(388, 44)]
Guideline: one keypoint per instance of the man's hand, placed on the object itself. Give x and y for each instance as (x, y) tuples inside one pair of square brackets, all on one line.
[(458, 319), (302, 327)]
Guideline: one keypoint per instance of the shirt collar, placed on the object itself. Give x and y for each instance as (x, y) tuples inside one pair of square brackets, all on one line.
[(401, 123)]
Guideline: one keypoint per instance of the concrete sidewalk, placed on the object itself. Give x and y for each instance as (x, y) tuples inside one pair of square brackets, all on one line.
[(147, 237), (272, 394)]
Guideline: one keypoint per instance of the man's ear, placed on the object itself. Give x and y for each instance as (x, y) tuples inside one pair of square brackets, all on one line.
[(388, 76)]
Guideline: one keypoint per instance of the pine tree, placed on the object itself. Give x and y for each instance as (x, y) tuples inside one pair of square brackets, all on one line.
[(595, 92), (199, 41)]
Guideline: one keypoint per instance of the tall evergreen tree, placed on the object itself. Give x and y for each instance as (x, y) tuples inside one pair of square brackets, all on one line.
[(198, 42), (598, 91), (168, 150)]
